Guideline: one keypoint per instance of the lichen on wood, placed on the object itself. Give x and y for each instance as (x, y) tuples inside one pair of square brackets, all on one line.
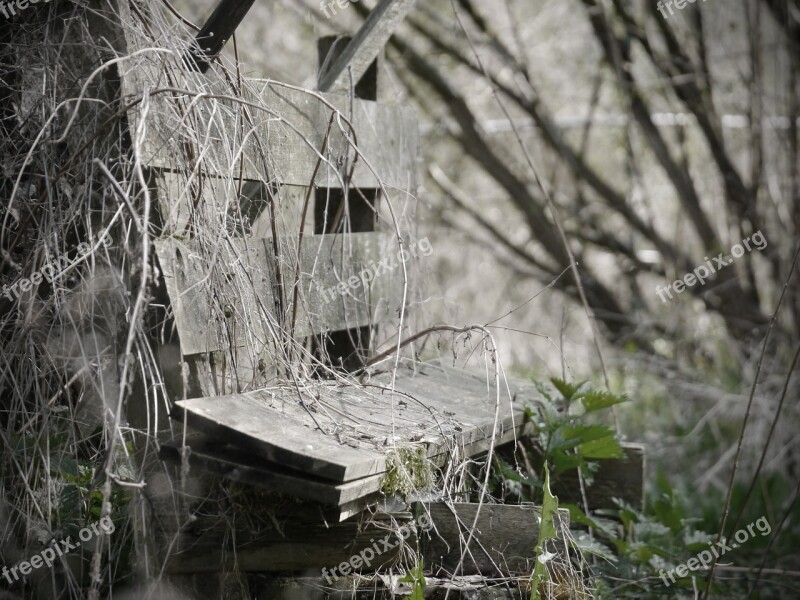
[(407, 470)]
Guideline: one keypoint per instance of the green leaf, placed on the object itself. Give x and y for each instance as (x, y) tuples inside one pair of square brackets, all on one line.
[(567, 390), (66, 466), (565, 462), (606, 447), (587, 433), (595, 400), (547, 532), (417, 579)]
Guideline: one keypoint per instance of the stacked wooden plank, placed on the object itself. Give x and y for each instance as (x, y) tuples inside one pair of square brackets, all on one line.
[(330, 440)]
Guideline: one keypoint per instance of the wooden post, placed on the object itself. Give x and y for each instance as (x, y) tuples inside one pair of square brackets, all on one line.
[(367, 44), (346, 349), (330, 47), (216, 32)]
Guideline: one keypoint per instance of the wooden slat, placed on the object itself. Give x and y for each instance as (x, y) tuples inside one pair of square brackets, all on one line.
[(224, 295), (365, 45), (621, 478), (281, 142), (240, 465), (215, 32), (503, 543), (248, 420), (236, 274), (386, 135), (277, 136), (361, 423), (288, 540)]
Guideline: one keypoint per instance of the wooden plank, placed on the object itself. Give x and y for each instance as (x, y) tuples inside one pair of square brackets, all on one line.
[(224, 460), (224, 295), (330, 47), (386, 135), (365, 45), (505, 536), (247, 420), (236, 274), (215, 32), (286, 541), (621, 478), (265, 131), (282, 423)]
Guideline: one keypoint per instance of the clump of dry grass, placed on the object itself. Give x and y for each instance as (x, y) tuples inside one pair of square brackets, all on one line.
[(93, 96)]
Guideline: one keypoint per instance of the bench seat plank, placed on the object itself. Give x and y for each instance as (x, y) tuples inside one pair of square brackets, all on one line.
[(361, 423)]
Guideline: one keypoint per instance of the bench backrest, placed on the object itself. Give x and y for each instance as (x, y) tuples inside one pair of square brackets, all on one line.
[(281, 212)]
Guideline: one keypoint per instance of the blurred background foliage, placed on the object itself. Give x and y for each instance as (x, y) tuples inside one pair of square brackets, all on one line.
[(662, 141)]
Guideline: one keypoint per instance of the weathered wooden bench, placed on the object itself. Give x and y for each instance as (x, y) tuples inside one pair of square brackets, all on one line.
[(279, 210)]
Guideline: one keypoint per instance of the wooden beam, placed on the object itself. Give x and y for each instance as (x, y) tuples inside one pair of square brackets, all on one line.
[(215, 33), (621, 478), (365, 46), (331, 299), (287, 539), (292, 127), (330, 47), (503, 543), (222, 460)]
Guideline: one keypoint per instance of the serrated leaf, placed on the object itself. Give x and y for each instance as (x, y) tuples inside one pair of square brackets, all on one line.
[(589, 545), (587, 433), (415, 577), (567, 390), (607, 447), (595, 400)]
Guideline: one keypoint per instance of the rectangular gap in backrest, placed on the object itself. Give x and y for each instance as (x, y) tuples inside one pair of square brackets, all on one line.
[(264, 209), (333, 215)]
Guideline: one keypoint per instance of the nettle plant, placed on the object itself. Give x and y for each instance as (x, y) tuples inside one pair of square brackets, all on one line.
[(569, 436), (632, 546)]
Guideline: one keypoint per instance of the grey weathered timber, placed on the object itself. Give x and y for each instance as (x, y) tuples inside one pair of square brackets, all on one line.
[(223, 295), (216, 31), (265, 131), (365, 45), (502, 544), (270, 541), (310, 129), (621, 478), (361, 423), (224, 460)]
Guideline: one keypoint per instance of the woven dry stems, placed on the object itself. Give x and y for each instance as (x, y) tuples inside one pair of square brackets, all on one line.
[(84, 396)]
